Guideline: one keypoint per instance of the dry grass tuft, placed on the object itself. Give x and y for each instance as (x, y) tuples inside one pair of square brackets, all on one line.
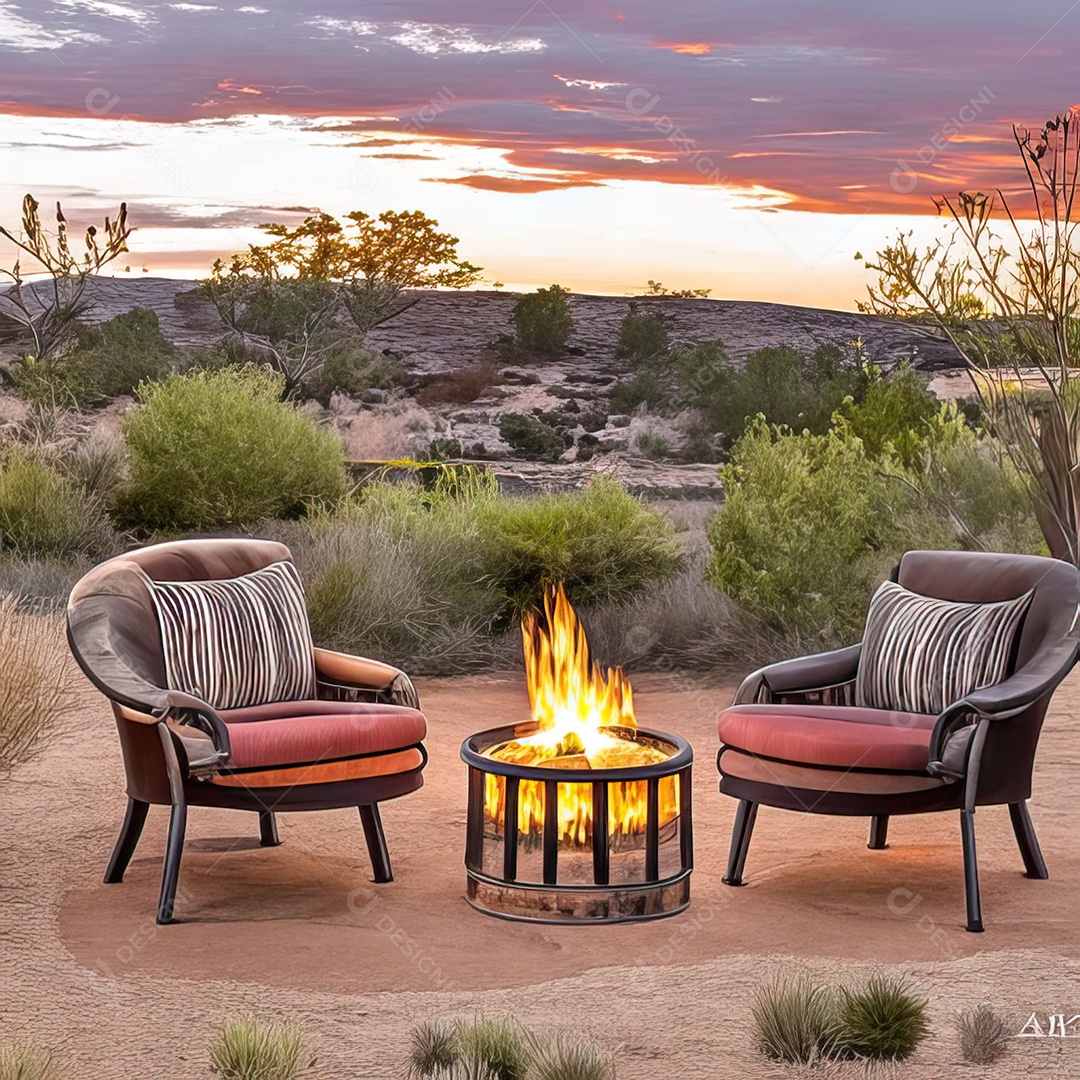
[(254, 1049), (38, 680), (19, 1061), (984, 1035)]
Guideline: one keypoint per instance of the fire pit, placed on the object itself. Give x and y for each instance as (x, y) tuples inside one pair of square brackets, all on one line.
[(578, 815)]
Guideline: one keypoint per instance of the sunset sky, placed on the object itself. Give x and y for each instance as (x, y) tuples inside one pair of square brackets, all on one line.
[(750, 148)]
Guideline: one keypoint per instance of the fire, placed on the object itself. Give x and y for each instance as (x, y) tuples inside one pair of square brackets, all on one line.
[(579, 709)]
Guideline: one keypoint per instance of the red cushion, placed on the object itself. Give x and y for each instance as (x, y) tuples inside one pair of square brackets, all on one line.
[(284, 733), (833, 735)]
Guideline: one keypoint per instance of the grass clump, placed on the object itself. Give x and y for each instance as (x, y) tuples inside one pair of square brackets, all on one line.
[(984, 1035), (531, 437), (882, 1019), (795, 1020), (500, 1049), (542, 320), (253, 1049), (37, 682), (19, 1061), (210, 449)]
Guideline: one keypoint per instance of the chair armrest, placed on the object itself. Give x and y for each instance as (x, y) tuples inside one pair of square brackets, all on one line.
[(1037, 678), (188, 709), (802, 674), (383, 682)]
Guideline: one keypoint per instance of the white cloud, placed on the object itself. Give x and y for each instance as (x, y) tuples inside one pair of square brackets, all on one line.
[(110, 10), (194, 7), (431, 40), (342, 26), (28, 36), (247, 10), (767, 100), (588, 84)]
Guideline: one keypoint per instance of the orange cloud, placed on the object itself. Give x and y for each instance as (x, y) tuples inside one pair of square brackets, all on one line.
[(521, 185), (690, 48)]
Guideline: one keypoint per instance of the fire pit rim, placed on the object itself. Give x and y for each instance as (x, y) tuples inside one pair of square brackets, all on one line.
[(472, 755)]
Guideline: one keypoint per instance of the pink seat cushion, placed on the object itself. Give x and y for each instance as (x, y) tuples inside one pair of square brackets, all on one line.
[(833, 735), (288, 732)]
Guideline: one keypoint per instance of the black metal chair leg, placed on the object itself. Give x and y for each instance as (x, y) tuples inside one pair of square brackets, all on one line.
[(1034, 865), (740, 841), (170, 874), (376, 842), (971, 872), (130, 831), (268, 834), (879, 831)]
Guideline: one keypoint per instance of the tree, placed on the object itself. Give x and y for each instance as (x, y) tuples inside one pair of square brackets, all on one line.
[(288, 297), (49, 311), (1004, 285)]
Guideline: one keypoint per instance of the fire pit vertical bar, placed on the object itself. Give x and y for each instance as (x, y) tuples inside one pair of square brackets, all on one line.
[(510, 829), (551, 832), (652, 830), (601, 838), (686, 828), (474, 834)]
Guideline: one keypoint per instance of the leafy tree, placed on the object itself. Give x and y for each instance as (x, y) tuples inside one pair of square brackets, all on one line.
[(1007, 294), (543, 320), (48, 311), (656, 288)]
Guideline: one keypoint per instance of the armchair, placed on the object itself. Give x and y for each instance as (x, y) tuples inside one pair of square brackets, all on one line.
[(797, 738), (352, 737)]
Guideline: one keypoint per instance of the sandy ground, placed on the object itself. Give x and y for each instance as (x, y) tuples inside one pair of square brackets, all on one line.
[(301, 931)]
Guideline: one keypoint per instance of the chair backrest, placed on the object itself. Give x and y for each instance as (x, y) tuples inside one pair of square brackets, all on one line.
[(985, 577), (112, 624)]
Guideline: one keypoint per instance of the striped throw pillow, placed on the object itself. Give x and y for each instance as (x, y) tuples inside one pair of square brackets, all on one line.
[(921, 654), (238, 641)]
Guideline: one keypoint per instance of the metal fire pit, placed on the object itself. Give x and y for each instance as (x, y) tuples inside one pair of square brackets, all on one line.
[(611, 876)]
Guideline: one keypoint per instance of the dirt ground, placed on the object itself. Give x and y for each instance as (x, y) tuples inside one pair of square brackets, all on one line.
[(301, 931)]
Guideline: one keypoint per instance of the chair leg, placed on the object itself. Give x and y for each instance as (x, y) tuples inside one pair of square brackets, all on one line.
[(879, 831), (740, 841), (268, 834), (171, 871), (376, 842), (1034, 865), (130, 831), (971, 872)]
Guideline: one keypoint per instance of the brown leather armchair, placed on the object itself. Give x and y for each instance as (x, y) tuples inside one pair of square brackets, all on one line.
[(794, 739), (358, 743)]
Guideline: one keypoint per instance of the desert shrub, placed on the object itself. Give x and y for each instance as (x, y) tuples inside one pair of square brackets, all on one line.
[(642, 338), (531, 437), (460, 387), (645, 388), (542, 320), (253, 1049), (805, 531), (350, 369), (106, 360), (43, 511), (37, 683), (795, 1020), (894, 414), (41, 582), (209, 449), (652, 446), (569, 1057), (786, 386), (883, 1020), (984, 1035), (441, 449), (20, 1061)]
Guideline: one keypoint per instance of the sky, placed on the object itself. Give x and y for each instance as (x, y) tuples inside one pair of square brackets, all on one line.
[(752, 148)]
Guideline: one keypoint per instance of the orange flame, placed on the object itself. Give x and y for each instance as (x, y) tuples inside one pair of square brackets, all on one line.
[(576, 706)]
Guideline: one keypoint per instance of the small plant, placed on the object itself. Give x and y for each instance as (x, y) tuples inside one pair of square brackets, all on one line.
[(652, 446), (221, 448), (642, 338), (883, 1020), (984, 1035), (543, 320), (657, 288), (19, 1061), (795, 1019), (253, 1049), (37, 690), (645, 388), (350, 369), (568, 1057), (531, 437)]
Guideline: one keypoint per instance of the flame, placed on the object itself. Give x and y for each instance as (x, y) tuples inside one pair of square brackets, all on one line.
[(578, 708)]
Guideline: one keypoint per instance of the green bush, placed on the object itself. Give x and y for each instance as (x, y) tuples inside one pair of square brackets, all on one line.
[(652, 446), (43, 511), (531, 437), (543, 321), (209, 449), (642, 338), (351, 369), (107, 360), (252, 1049), (882, 1020), (786, 386), (647, 388)]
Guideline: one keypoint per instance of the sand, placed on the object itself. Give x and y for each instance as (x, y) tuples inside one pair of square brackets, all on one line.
[(301, 931)]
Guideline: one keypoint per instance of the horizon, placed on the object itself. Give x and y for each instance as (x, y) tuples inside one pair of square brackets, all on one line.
[(752, 153)]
